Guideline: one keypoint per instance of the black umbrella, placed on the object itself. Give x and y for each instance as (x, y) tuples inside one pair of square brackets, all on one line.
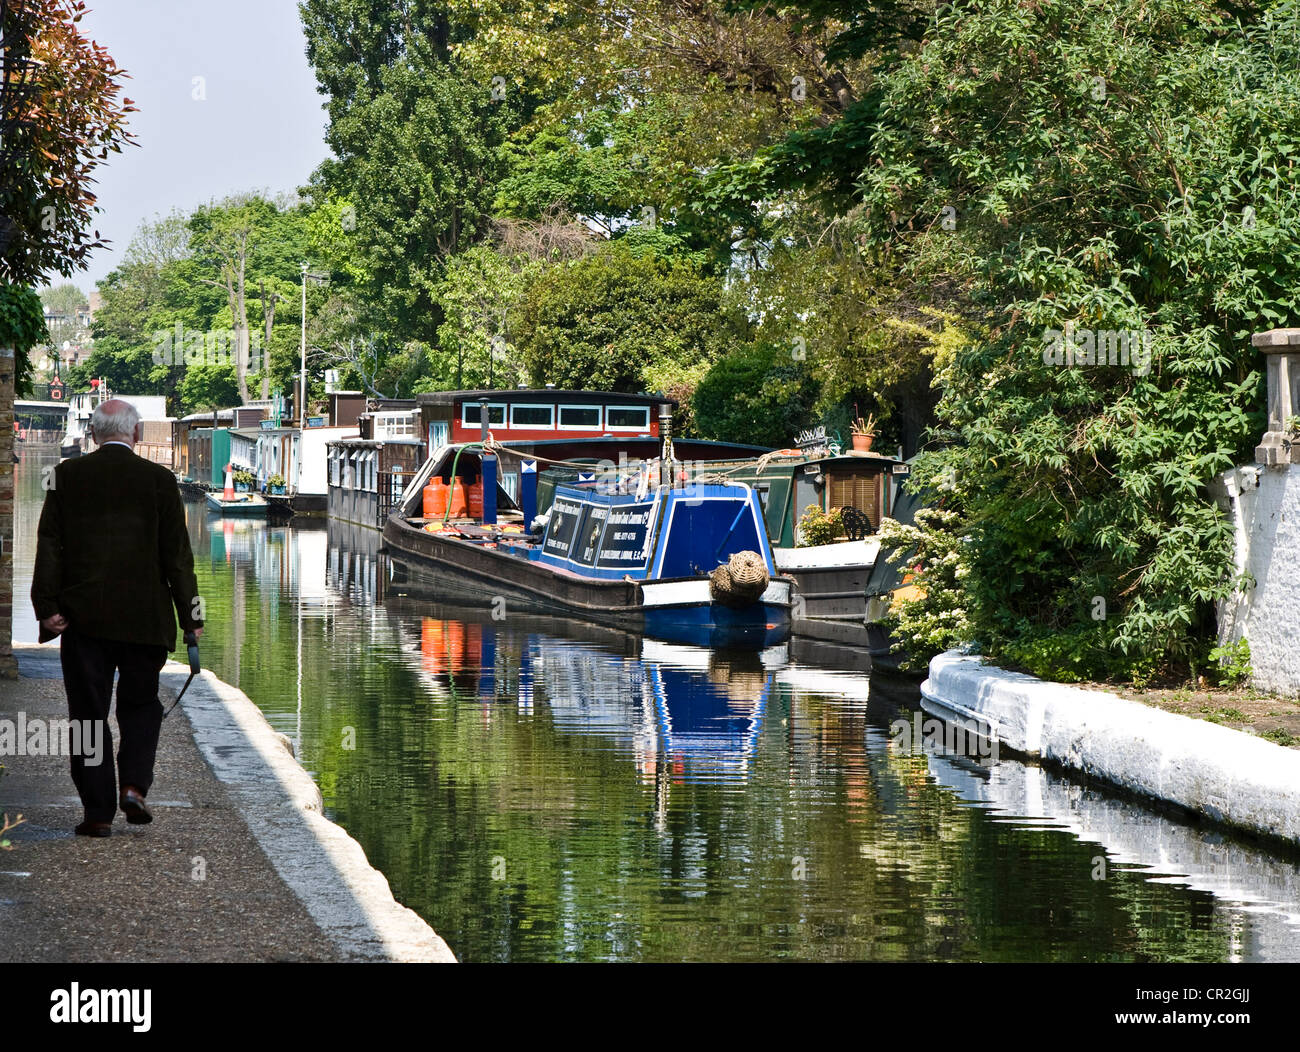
[(191, 641)]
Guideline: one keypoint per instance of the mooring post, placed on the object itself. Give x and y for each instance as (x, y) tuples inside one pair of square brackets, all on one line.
[(489, 475), (1280, 446), (528, 491), (666, 437)]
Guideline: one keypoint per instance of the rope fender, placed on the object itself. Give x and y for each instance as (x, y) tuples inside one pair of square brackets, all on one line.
[(740, 581)]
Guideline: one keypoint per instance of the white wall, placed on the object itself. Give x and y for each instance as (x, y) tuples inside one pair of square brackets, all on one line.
[(314, 463), (243, 452), (150, 407), (1264, 503)]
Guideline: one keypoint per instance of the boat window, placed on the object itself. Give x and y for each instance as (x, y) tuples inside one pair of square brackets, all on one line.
[(805, 492), (628, 418), (860, 491), (389, 425), (580, 417), (532, 416), (470, 415)]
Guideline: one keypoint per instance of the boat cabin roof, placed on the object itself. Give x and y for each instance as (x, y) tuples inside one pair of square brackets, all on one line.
[(540, 394)]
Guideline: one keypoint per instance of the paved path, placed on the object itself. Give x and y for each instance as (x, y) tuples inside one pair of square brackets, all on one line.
[(197, 884)]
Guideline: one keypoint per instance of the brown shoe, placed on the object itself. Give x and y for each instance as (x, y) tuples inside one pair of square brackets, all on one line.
[(94, 829), (132, 804)]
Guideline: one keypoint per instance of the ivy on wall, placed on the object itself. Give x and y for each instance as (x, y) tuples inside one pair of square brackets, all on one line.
[(22, 327)]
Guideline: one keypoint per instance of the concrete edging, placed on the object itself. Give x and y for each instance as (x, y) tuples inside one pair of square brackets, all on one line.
[(280, 802), (1225, 775)]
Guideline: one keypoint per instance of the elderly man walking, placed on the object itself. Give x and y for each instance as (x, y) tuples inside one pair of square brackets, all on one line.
[(112, 561)]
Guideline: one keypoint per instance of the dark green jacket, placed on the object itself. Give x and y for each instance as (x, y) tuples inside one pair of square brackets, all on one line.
[(112, 552)]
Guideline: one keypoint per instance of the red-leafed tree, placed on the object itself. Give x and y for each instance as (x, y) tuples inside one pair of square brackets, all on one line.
[(60, 118)]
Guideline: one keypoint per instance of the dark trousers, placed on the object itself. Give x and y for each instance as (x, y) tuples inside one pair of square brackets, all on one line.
[(88, 667)]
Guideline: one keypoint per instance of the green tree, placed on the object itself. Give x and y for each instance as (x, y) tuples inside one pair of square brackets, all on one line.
[(760, 394), (416, 144), (600, 321), (474, 347), (1104, 169), (59, 102)]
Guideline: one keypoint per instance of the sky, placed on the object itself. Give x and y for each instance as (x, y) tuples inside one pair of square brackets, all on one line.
[(252, 122)]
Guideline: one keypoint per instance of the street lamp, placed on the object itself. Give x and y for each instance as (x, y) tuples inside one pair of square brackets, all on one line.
[(315, 279)]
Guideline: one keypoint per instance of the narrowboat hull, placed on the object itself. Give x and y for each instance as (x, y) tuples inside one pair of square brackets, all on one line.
[(831, 579), (677, 610), (249, 507)]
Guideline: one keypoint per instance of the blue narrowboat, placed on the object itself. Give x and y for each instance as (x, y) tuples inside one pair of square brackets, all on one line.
[(689, 562)]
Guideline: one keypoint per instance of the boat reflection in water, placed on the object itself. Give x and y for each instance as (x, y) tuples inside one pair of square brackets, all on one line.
[(686, 713)]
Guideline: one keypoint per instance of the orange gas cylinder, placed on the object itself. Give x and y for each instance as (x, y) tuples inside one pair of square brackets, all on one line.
[(433, 644), (457, 500), (435, 498), (473, 645), (455, 646), (476, 500)]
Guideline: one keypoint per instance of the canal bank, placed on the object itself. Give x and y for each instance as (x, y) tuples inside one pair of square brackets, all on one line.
[(240, 863), (1210, 771)]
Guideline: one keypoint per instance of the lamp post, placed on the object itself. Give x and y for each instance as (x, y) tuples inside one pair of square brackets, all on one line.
[(318, 279)]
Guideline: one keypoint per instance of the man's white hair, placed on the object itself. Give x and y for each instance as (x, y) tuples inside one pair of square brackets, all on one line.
[(114, 420)]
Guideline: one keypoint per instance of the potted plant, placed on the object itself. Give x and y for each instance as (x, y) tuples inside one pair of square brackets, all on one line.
[(276, 482), (243, 481), (864, 433), (819, 527)]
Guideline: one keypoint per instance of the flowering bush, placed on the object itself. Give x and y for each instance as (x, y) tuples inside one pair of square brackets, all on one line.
[(819, 527), (930, 616)]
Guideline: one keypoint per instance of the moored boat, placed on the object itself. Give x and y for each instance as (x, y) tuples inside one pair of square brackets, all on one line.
[(686, 563), (243, 505)]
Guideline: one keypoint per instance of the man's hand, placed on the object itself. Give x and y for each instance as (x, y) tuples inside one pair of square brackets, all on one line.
[(55, 624), (198, 633)]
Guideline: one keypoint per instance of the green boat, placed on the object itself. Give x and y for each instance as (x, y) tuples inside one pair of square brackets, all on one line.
[(242, 505), (830, 579)]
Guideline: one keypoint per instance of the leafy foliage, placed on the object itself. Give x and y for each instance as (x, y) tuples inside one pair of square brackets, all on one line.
[(1099, 159), (930, 615), (1231, 663), (22, 327), (59, 96), (758, 394), (819, 527), (597, 322), (68, 119)]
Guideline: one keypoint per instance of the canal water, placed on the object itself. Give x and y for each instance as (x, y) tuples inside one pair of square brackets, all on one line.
[(543, 790)]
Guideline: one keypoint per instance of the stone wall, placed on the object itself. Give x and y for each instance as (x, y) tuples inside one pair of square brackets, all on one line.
[(1265, 507), (1263, 501)]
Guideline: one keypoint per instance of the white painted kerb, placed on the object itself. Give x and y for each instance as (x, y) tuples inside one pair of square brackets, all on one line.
[(281, 804), (1223, 774)]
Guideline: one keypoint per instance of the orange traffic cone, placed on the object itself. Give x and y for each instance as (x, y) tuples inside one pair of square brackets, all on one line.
[(229, 493)]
